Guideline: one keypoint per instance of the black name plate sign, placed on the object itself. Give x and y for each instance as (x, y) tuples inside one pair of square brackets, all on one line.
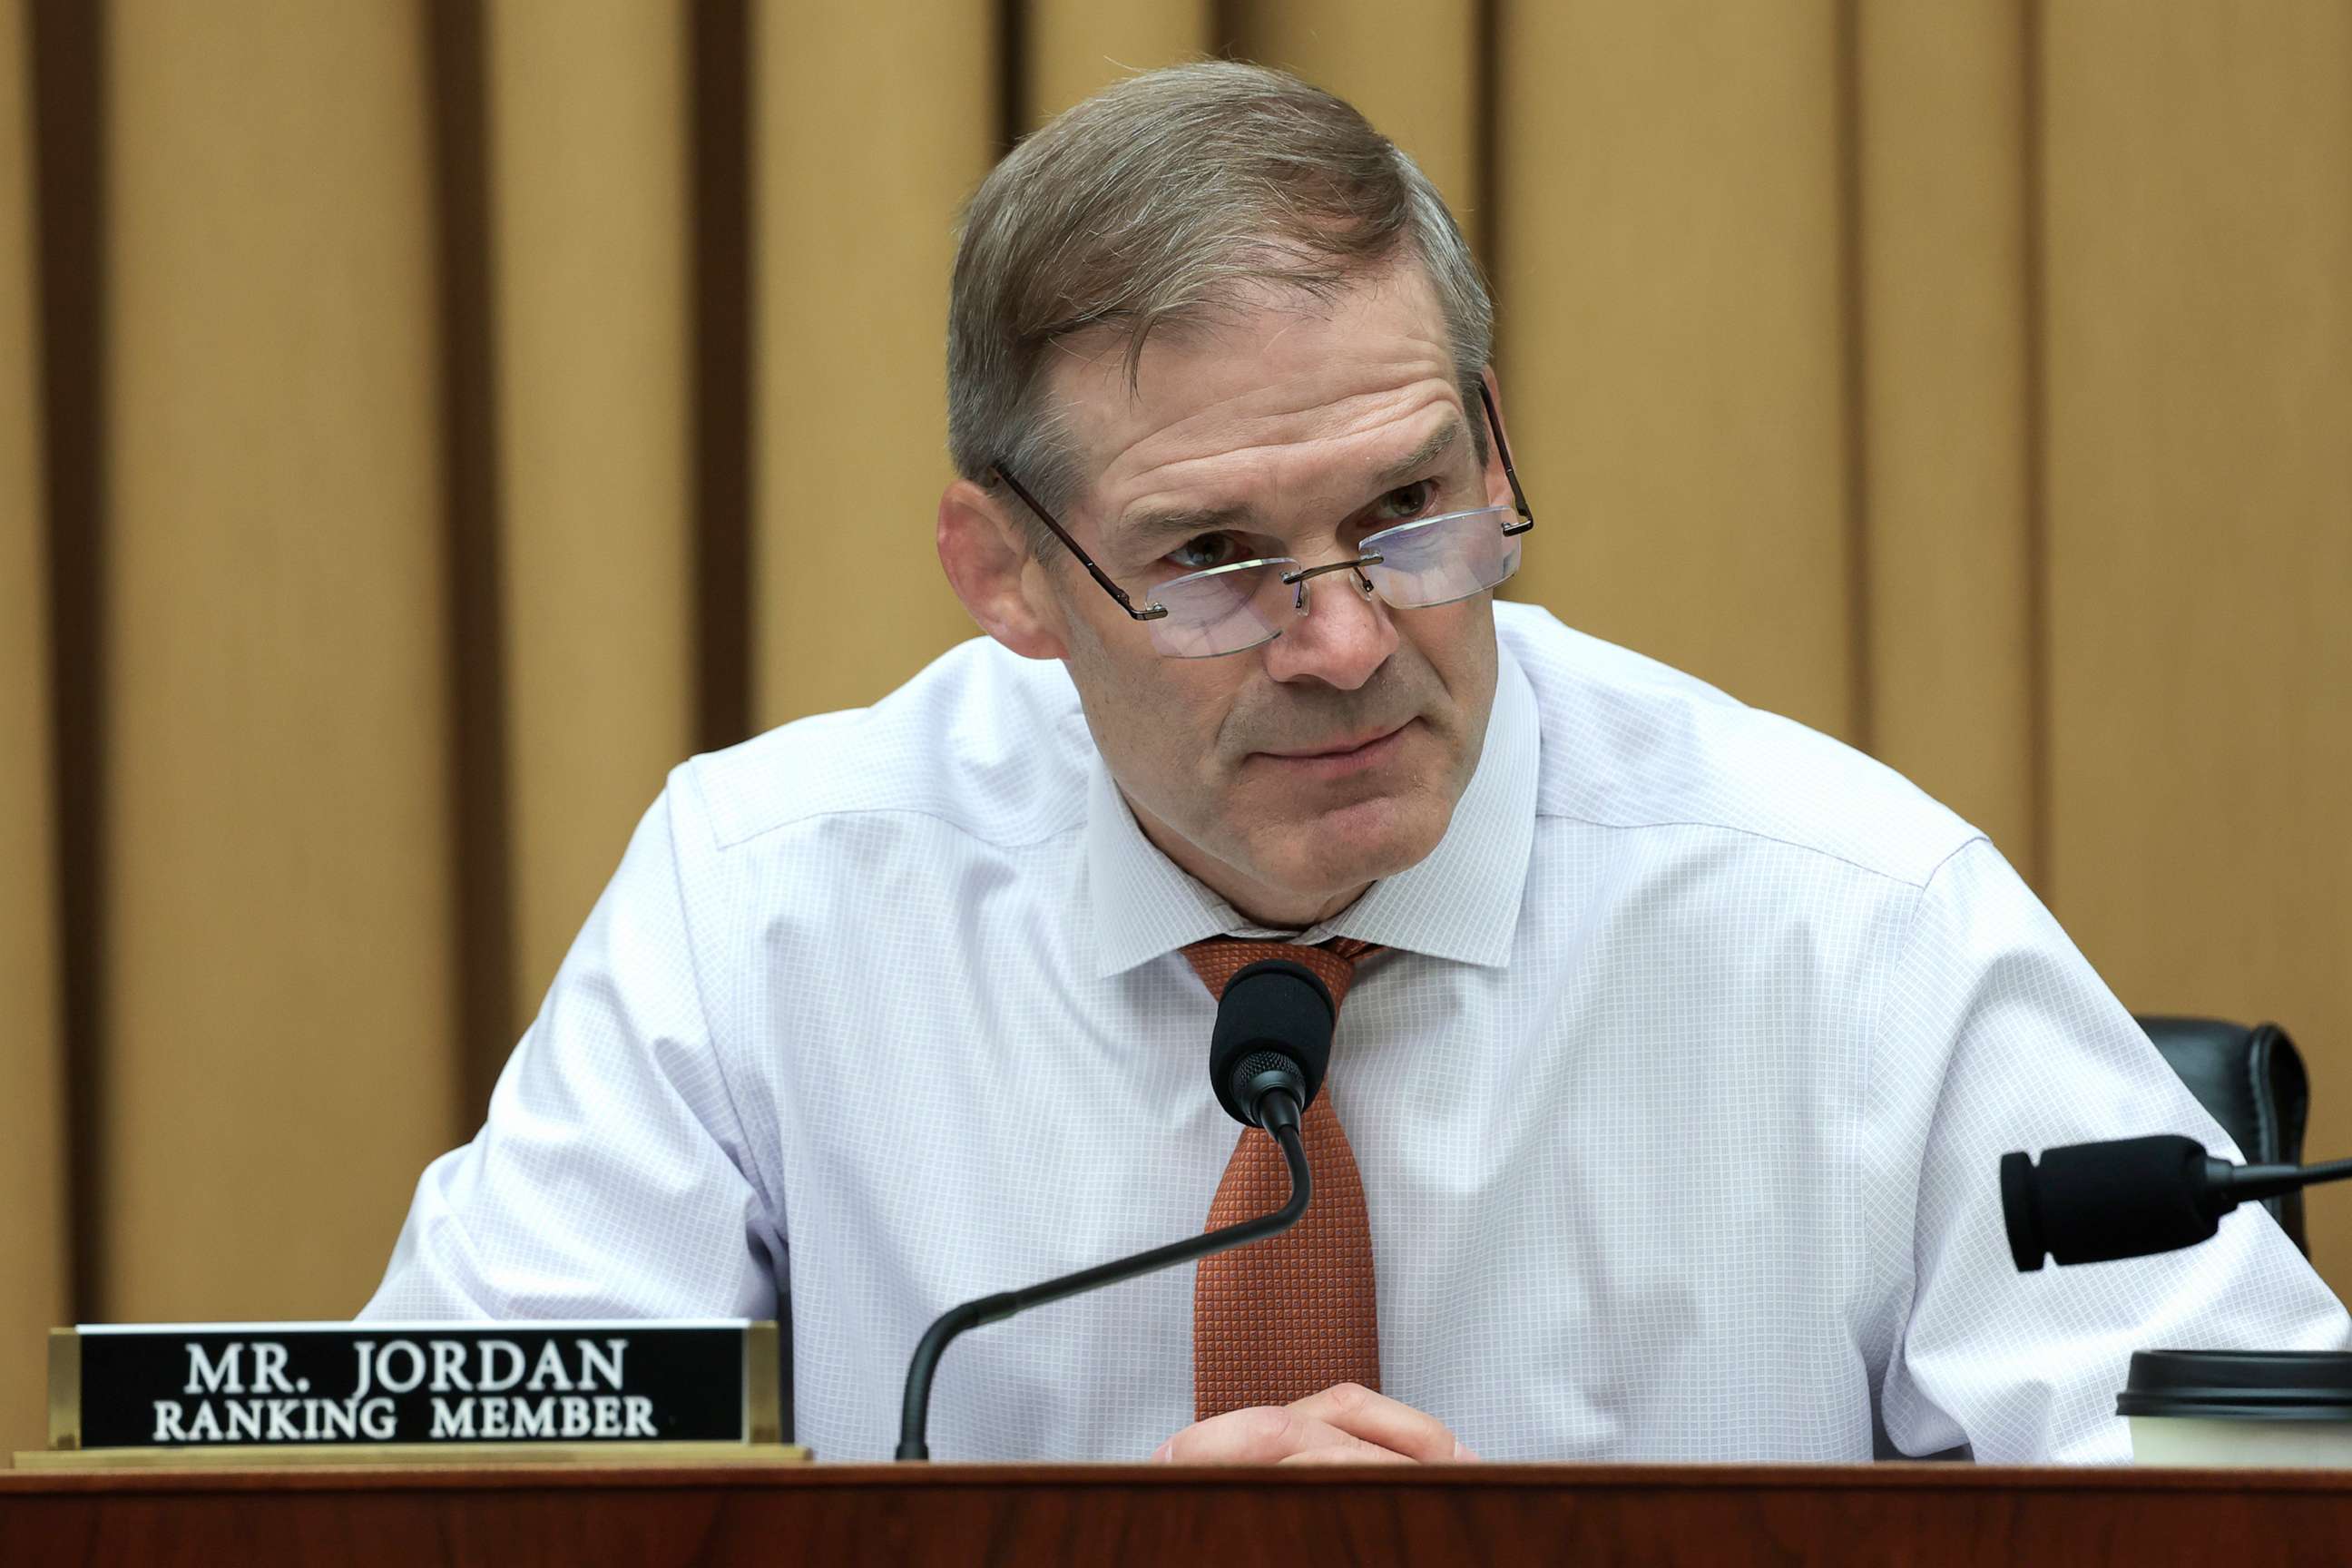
[(357, 1389)]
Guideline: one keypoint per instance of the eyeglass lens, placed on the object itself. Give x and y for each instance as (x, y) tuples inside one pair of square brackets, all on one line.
[(1431, 562)]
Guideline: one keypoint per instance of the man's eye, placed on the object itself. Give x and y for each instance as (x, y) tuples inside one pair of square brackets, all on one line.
[(1405, 501), (1199, 554)]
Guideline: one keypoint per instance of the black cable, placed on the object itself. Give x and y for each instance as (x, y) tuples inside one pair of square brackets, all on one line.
[(1281, 1115)]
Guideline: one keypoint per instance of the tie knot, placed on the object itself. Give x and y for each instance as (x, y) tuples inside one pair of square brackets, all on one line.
[(1220, 958)]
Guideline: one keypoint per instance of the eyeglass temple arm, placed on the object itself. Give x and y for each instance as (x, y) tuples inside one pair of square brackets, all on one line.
[(1503, 449), (1149, 612)]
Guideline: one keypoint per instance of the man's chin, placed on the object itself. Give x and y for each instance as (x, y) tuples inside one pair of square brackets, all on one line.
[(1352, 844)]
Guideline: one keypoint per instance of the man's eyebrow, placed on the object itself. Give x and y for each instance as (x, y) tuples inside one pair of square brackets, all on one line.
[(1150, 525), (1409, 468)]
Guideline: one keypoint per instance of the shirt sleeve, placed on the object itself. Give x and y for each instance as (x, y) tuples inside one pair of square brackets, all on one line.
[(1996, 1034), (610, 1179)]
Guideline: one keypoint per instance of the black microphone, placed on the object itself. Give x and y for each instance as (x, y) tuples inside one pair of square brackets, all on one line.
[(2095, 1202), (1266, 1058), (1277, 1037)]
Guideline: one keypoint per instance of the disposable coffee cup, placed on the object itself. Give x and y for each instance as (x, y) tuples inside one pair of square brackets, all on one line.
[(2259, 1409)]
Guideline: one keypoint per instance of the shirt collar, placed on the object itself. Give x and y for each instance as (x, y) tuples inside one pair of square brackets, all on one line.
[(1460, 902)]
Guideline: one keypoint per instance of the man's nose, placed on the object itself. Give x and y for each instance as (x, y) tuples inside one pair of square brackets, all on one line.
[(1344, 636)]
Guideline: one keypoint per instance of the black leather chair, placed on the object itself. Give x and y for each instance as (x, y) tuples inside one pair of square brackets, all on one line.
[(2251, 1081)]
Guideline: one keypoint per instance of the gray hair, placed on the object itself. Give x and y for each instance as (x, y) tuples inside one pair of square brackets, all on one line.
[(1158, 203)]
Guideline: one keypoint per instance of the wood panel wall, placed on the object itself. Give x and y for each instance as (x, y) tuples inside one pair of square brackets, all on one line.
[(2197, 259), (36, 1257), (423, 421)]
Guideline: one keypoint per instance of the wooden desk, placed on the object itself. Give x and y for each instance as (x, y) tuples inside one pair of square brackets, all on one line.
[(513, 1516)]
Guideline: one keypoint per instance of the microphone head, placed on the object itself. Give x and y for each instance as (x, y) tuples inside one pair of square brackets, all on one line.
[(1274, 1009), (2094, 1202), (2023, 1214)]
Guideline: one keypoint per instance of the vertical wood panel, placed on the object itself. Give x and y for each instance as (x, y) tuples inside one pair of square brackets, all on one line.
[(280, 962), (1671, 354), (2200, 301), (481, 911), (1077, 47), (873, 124), (33, 1253), (1944, 404), (1411, 65), (587, 107), (719, 115)]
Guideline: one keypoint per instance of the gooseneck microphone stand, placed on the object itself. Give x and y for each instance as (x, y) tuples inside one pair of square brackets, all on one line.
[(915, 1416), (1267, 1059)]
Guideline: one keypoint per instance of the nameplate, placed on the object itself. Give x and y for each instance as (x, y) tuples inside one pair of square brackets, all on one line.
[(362, 1389)]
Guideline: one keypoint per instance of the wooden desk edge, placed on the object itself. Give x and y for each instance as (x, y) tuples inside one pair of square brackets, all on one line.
[(676, 1477)]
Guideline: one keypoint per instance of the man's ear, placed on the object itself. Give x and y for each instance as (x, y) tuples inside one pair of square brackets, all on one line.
[(996, 573), (1498, 483)]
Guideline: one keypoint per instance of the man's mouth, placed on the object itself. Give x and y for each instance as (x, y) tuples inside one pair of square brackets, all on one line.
[(1338, 758)]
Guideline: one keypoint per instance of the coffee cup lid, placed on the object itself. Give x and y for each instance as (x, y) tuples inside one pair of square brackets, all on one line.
[(2240, 1386)]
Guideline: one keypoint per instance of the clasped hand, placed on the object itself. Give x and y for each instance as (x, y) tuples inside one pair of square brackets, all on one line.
[(1346, 1424)]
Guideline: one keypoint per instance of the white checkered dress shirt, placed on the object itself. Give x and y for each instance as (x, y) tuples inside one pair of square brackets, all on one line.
[(1679, 1109)]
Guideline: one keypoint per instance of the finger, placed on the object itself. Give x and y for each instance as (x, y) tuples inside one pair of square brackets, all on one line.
[(1386, 1423), (1363, 1453), (1264, 1435)]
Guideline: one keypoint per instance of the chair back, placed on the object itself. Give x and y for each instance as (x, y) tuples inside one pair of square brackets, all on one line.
[(2251, 1080)]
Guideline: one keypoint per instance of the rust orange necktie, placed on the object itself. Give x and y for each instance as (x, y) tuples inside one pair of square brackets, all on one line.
[(1284, 1318)]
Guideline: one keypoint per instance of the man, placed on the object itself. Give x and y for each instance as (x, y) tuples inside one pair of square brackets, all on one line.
[(1679, 1044)]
